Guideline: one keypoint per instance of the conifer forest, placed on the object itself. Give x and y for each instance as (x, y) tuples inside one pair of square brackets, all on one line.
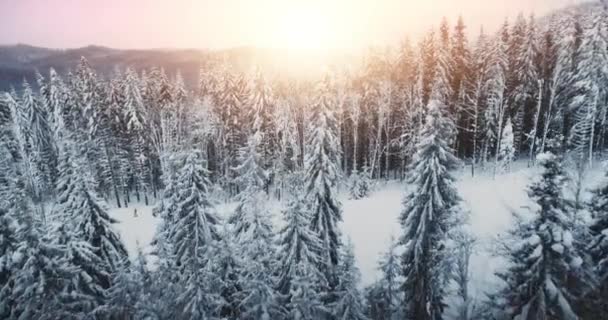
[(253, 181)]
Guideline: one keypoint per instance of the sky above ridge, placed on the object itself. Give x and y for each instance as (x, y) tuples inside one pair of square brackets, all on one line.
[(343, 24)]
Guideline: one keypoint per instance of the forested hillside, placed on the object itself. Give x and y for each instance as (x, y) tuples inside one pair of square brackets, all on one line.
[(74, 145)]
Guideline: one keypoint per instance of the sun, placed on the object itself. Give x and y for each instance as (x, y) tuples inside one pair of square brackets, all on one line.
[(304, 29)]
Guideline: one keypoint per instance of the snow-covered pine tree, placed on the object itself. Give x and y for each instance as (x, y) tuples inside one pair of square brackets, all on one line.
[(462, 78), (496, 87), (389, 297), (428, 64), (299, 280), (288, 151), (598, 206), (87, 216), (192, 236), (57, 101), (525, 89), (42, 285), (228, 270), (136, 120), (426, 219), (321, 179), (231, 113), (547, 273), (441, 89), (109, 147), (93, 273), (506, 154), (8, 246), (349, 300), (360, 184), (21, 134), (126, 297), (464, 245), (262, 106), (42, 138), (254, 234), (476, 99), (567, 32), (591, 74)]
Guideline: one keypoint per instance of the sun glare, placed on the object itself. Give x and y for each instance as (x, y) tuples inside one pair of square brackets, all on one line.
[(302, 28)]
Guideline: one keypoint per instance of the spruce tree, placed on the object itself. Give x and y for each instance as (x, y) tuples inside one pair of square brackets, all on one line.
[(506, 153), (360, 184), (389, 284), (547, 273), (78, 205), (8, 246), (300, 283), (262, 109), (349, 303), (427, 217), (321, 179), (254, 234), (42, 287), (229, 270), (599, 245), (591, 74), (192, 236)]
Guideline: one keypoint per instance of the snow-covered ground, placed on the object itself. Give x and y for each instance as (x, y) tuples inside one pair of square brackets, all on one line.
[(371, 222)]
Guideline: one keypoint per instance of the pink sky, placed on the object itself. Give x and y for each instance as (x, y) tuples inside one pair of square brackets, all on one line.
[(229, 23)]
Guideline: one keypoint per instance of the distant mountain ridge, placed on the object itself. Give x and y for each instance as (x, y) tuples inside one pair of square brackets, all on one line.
[(19, 62)]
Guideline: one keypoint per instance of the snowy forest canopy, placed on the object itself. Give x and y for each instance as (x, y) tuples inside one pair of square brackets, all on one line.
[(79, 144)]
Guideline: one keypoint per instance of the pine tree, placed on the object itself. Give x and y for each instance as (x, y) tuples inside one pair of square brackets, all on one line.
[(8, 246), (441, 89), (567, 33), (321, 179), (462, 78), (229, 270), (360, 184), (599, 245), (231, 115), (93, 273), (192, 236), (349, 303), (299, 280), (476, 100), (253, 232), (128, 290), (78, 205), (42, 286), (42, 143), (262, 108), (590, 76), (496, 88), (546, 273), (426, 218), (135, 117), (389, 285), (506, 153)]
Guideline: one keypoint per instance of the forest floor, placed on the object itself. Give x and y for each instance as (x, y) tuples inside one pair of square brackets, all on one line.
[(371, 222)]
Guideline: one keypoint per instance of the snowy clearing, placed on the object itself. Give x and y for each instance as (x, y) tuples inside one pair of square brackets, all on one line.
[(371, 222)]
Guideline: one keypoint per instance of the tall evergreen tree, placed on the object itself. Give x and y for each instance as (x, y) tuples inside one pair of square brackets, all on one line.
[(300, 282), (388, 301), (592, 72), (599, 244), (547, 273), (321, 179), (349, 304), (192, 236), (426, 219)]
